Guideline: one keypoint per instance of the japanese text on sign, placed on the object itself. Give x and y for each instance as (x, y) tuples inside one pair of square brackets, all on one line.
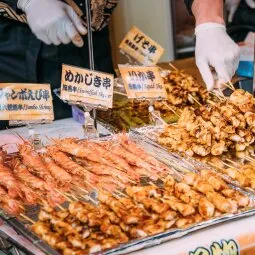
[(86, 86), (141, 47), (143, 82), (25, 102)]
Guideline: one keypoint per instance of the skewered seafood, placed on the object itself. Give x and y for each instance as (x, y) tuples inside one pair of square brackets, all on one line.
[(213, 129)]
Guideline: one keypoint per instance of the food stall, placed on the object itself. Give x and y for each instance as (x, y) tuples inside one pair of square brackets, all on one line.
[(168, 202)]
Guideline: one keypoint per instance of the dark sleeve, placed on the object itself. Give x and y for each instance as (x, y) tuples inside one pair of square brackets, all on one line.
[(189, 5)]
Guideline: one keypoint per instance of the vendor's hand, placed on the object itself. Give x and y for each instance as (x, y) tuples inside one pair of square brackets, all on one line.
[(232, 6), (216, 49), (53, 21)]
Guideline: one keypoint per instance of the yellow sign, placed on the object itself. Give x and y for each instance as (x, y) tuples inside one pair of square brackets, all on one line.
[(141, 47), (143, 82), (86, 86), (25, 102), (223, 247)]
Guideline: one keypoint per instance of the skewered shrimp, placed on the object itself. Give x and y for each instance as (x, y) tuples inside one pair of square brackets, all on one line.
[(57, 172), (10, 205), (8, 181)]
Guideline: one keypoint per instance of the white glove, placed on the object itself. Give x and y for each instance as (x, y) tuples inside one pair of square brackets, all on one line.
[(232, 6), (53, 21), (215, 48)]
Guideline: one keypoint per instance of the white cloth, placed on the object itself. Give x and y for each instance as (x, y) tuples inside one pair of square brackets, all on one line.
[(216, 49), (53, 21), (232, 6)]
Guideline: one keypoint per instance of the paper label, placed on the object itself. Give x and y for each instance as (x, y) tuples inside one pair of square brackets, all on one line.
[(141, 47), (86, 86), (143, 82), (25, 102)]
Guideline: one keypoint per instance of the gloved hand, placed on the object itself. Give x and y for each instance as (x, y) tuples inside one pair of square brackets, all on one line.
[(215, 48), (232, 6), (53, 21)]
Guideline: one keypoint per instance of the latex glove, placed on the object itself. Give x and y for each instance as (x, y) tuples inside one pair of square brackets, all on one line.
[(215, 48), (53, 21), (232, 6)]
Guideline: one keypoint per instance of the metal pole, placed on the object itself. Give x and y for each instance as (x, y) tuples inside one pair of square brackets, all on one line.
[(90, 45)]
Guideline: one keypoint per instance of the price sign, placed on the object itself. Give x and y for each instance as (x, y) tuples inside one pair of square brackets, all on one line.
[(143, 82), (86, 86), (141, 47), (25, 102)]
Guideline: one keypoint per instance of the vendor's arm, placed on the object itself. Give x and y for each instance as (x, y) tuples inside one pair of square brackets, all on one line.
[(213, 45), (53, 21)]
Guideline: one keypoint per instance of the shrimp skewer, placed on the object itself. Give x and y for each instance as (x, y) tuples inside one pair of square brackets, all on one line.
[(10, 205), (69, 165), (8, 181), (34, 162), (57, 172)]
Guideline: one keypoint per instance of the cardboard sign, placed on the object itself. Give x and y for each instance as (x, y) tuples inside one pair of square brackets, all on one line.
[(141, 47), (143, 82), (86, 86), (24, 102)]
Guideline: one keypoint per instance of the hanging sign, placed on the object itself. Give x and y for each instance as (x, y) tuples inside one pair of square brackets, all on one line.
[(25, 102), (86, 86), (141, 47), (143, 82)]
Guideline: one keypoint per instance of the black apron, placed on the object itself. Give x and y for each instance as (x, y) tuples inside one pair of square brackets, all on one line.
[(25, 59)]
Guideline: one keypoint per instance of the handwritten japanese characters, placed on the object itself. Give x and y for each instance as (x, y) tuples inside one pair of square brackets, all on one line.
[(143, 82), (141, 47), (86, 86), (25, 102)]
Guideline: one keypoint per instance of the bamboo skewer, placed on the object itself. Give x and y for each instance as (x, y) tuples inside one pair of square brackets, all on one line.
[(175, 68), (65, 196), (27, 218), (195, 100), (172, 110), (228, 86)]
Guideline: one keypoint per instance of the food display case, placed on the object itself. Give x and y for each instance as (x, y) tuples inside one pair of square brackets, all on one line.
[(140, 191)]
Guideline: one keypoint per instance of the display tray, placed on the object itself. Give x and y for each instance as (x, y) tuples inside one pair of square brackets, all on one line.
[(173, 161), (148, 137)]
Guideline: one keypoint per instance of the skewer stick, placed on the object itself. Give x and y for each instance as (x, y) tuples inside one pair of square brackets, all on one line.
[(231, 161), (195, 100), (214, 94), (228, 86), (175, 68), (66, 197), (249, 159), (231, 84), (61, 207), (152, 184), (89, 184), (91, 199), (121, 193), (170, 108), (27, 218), (21, 207), (84, 190), (229, 166)]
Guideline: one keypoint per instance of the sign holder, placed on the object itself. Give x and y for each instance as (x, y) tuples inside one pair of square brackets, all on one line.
[(90, 125)]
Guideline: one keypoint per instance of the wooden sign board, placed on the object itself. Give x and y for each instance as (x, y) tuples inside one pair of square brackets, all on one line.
[(86, 86), (25, 102), (141, 47)]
